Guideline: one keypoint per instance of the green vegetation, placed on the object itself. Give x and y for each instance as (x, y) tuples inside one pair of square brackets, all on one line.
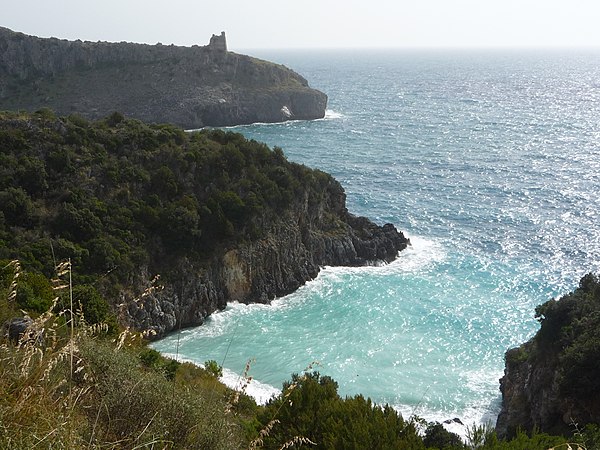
[(117, 194), (68, 383), (311, 407), (570, 329), (212, 367), (551, 381)]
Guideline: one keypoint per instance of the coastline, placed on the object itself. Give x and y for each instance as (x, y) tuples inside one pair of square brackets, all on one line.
[(238, 323)]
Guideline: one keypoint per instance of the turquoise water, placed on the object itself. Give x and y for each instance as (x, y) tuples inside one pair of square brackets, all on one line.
[(490, 163)]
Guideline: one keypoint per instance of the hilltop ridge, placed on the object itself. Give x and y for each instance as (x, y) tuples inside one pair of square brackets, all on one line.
[(190, 87)]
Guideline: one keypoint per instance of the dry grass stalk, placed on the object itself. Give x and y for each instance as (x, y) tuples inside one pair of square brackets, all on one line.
[(139, 301), (244, 382), (259, 441), (569, 446), (294, 385), (122, 338), (297, 441), (154, 287), (33, 369), (12, 290)]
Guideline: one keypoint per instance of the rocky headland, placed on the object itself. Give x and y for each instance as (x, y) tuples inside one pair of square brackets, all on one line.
[(218, 217), (552, 382), (292, 253), (191, 87)]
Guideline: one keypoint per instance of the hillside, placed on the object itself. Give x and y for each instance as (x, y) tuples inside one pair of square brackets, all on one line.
[(191, 87), (218, 217)]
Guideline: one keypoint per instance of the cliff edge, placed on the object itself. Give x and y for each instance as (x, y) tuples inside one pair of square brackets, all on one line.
[(552, 382), (191, 87)]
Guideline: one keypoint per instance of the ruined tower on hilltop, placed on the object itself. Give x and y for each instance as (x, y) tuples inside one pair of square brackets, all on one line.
[(218, 43)]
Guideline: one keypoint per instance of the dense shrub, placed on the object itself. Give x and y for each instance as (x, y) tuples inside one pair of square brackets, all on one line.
[(570, 328), (34, 293), (310, 407), (436, 436)]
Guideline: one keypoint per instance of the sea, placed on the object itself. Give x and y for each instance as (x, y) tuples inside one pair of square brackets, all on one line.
[(489, 161)]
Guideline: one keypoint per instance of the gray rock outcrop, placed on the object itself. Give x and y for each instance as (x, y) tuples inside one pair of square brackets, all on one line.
[(313, 235), (529, 394), (190, 87), (15, 328)]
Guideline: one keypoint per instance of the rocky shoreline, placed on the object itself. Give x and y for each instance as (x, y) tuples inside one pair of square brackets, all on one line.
[(292, 253), (220, 218)]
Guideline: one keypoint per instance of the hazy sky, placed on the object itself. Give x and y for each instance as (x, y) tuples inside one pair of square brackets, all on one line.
[(314, 23)]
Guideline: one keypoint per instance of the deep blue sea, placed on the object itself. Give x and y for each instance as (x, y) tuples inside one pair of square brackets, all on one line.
[(490, 163)]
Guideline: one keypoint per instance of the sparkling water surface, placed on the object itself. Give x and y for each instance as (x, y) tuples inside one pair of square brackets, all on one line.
[(490, 163)]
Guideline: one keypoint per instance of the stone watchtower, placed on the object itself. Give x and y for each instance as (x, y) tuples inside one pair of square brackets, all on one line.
[(218, 43)]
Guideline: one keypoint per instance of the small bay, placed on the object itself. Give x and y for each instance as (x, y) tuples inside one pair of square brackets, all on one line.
[(490, 163)]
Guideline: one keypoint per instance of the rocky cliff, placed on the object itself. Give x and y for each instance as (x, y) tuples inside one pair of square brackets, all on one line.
[(292, 252), (552, 382), (218, 217), (191, 87)]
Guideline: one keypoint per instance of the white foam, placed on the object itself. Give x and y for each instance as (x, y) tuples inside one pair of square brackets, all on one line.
[(260, 392), (421, 253), (468, 418), (331, 114), (483, 411)]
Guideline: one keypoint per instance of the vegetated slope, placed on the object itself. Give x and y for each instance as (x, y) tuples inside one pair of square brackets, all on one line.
[(552, 382), (191, 87), (219, 217)]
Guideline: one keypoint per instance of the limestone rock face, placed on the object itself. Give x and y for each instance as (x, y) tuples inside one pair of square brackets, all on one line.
[(311, 235), (530, 395), (190, 87)]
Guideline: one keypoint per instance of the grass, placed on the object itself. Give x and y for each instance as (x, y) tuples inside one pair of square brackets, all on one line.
[(67, 384)]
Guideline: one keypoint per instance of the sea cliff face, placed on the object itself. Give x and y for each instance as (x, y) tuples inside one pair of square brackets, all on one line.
[(191, 87), (296, 246)]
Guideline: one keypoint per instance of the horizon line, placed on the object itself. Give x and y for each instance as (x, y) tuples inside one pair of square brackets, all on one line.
[(426, 47)]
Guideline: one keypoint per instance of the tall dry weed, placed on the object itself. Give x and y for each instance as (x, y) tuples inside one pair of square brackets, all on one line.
[(12, 289)]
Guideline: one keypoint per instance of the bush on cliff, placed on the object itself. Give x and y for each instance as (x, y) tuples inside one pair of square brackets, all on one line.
[(551, 382), (570, 331), (571, 328)]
